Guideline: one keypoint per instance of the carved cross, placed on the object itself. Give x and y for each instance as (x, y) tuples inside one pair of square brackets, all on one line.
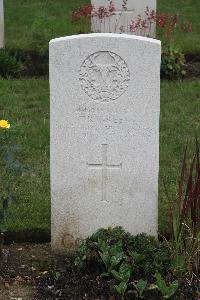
[(104, 166)]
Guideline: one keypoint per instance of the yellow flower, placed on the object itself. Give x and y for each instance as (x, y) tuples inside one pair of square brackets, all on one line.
[(4, 124)]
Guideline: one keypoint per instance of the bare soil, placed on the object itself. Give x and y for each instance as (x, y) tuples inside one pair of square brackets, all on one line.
[(21, 266)]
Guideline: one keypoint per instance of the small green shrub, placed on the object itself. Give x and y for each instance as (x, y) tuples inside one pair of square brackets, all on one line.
[(113, 264), (124, 258), (9, 66), (172, 63), (109, 248)]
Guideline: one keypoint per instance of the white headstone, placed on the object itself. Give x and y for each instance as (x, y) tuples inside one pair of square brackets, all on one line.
[(105, 103), (1, 24), (122, 18)]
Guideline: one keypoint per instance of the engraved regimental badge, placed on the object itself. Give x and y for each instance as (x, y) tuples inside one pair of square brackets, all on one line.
[(104, 76)]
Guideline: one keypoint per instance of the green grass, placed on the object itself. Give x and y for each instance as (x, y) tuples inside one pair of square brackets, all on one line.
[(24, 19), (189, 10), (40, 20), (179, 124), (26, 104)]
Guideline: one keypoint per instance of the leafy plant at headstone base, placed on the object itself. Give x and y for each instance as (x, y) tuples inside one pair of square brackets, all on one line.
[(128, 278), (111, 255), (123, 277), (99, 243), (166, 290), (141, 286), (10, 168), (125, 258), (185, 218), (9, 66), (149, 256)]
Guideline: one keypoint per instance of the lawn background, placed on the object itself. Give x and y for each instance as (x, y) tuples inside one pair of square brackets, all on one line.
[(25, 18)]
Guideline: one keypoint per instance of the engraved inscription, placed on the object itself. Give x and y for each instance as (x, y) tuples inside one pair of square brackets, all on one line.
[(104, 76), (100, 116), (104, 166)]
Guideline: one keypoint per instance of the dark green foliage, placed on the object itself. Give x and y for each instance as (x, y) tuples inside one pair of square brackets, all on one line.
[(124, 273), (119, 255), (104, 269), (172, 63), (141, 286), (9, 66), (35, 61), (121, 289), (166, 290)]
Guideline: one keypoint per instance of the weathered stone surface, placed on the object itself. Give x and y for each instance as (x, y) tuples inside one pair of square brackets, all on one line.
[(1, 24), (104, 135), (121, 20)]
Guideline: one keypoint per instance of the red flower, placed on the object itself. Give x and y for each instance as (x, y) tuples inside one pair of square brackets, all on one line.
[(111, 8), (83, 11), (133, 27)]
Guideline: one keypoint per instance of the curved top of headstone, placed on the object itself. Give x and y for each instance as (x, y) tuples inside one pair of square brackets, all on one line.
[(105, 35), (131, 5)]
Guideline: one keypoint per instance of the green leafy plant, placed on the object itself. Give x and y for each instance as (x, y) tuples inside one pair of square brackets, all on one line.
[(172, 62), (119, 255), (124, 272), (81, 255), (104, 247), (110, 247), (9, 66), (141, 286), (56, 275), (129, 263), (111, 255), (121, 289), (166, 290), (150, 256)]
